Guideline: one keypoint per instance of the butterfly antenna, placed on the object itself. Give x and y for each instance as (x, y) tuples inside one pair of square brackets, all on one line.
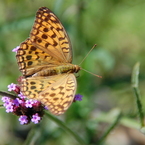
[(91, 73), (88, 54)]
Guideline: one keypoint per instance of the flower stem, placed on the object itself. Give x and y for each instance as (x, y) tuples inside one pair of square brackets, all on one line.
[(62, 125), (134, 80), (7, 95), (115, 123)]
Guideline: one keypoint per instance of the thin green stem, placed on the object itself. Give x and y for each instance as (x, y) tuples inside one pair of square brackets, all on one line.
[(8, 95), (33, 135), (62, 125), (139, 106), (1, 106), (110, 129), (135, 82)]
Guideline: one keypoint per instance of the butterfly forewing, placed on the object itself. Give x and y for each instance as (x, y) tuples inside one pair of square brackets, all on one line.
[(32, 59), (49, 35)]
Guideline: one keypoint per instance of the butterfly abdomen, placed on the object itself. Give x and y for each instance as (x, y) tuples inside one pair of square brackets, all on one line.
[(66, 68)]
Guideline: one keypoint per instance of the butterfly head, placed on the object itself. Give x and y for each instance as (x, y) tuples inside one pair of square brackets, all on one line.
[(77, 68)]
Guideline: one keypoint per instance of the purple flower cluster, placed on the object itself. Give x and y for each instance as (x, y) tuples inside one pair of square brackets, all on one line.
[(27, 110)]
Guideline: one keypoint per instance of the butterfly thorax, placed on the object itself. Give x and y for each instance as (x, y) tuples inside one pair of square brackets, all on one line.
[(64, 68)]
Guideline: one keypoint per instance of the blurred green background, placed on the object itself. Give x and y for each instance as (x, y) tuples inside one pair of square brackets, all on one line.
[(118, 29)]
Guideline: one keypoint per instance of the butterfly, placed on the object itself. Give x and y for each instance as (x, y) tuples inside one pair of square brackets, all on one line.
[(45, 60)]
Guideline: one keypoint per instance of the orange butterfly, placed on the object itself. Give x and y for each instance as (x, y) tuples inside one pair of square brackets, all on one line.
[(45, 59)]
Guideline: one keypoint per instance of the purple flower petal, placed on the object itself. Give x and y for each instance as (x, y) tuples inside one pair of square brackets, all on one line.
[(35, 101), (46, 108), (21, 96), (78, 97), (17, 102), (8, 103), (9, 108), (35, 118), (5, 99), (16, 49), (12, 87), (23, 119), (29, 103)]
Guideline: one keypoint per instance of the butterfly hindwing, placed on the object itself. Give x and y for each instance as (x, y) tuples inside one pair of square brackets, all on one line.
[(33, 86), (55, 92), (59, 95)]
